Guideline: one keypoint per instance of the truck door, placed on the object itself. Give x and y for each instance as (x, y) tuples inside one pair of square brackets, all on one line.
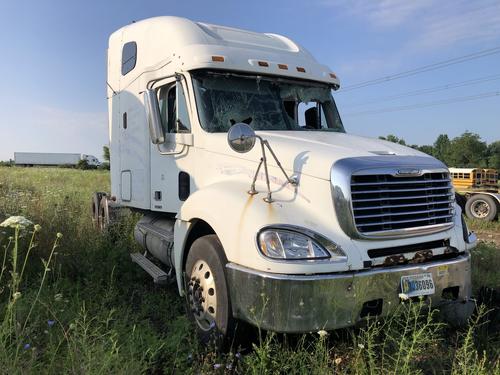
[(170, 161)]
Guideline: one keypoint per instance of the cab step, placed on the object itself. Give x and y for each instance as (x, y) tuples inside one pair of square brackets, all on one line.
[(159, 276)]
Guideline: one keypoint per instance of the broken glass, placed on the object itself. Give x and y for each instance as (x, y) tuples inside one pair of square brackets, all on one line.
[(264, 103)]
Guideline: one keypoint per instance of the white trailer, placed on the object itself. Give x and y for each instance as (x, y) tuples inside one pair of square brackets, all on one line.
[(52, 159), (312, 228)]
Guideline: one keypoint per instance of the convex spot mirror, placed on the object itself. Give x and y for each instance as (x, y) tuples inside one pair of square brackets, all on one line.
[(241, 137), (153, 117)]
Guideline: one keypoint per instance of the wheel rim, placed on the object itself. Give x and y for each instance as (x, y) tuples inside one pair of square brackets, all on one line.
[(480, 209), (202, 295)]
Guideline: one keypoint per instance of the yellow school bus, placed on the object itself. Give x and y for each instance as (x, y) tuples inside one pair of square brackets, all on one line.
[(477, 192)]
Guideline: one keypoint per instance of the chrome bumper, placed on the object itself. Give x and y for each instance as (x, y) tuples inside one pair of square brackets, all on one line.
[(305, 303)]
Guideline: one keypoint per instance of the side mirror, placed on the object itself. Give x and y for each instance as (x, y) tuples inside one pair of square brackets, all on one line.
[(153, 116), (241, 137)]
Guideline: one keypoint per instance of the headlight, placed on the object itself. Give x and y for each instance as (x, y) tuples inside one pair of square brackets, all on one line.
[(291, 245)]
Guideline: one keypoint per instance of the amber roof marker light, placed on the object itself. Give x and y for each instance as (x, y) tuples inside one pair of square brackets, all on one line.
[(218, 58)]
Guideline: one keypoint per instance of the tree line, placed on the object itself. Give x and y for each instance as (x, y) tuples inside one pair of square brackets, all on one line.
[(465, 151)]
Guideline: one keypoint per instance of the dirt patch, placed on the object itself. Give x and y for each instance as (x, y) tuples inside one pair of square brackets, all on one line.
[(487, 235)]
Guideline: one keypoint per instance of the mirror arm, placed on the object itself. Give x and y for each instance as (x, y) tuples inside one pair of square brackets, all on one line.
[(269, 198), (263, 160), (252, 190), (291, 181)]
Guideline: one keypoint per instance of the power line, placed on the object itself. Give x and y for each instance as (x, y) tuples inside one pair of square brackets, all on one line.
[(483, 95), (430, 90), (423, 69)]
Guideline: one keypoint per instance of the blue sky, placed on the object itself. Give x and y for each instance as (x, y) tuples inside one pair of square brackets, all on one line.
[(53, 62)]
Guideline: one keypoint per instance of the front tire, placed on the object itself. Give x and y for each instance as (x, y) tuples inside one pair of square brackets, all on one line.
[(207, 293), (481, 207)]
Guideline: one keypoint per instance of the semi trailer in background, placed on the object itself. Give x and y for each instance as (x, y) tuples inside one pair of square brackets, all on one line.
[(477, 192), (30, 159), (255, 201)]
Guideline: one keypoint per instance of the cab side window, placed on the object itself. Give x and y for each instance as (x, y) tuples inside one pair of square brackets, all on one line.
[(173, 109)]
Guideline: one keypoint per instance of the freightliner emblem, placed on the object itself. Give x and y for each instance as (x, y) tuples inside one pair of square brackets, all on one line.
[(408, 172)]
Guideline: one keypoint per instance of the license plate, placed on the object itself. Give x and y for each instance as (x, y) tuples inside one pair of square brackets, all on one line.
[(417, 285)]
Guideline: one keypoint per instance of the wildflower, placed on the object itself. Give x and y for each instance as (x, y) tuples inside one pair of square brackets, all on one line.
[(16, 295), (26, 346), (229, 366), (361, 346), (403, 296), (58, 297), (59, 235), (16, 222), (50, 323), (217, 366), (322, 333), (238, 355), (338, 360), (37, 228)]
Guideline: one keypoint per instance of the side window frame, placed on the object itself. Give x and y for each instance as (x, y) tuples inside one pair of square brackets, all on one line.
[(169, 120)]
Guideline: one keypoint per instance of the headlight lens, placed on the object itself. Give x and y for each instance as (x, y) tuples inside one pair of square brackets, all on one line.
[(285, 244)]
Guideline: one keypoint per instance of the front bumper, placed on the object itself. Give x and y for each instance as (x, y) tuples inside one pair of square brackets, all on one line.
[(305, 303)]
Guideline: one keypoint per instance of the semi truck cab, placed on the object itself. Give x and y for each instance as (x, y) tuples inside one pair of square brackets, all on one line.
[(256, 202)]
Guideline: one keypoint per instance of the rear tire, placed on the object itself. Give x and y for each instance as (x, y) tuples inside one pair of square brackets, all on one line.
[(481, 207), (207, 294), (96, 208)]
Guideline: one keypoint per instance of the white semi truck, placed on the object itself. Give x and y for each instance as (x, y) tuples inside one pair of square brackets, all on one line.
[(52, 159), (255, 200)]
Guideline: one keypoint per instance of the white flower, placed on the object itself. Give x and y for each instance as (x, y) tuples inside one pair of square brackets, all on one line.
[(16, 295), (361, 346), (322, 333), (16, 221), (403, 296)]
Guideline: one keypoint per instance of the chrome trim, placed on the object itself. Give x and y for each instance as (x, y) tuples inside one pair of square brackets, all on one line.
[(348, 274), (400, 190), (330, 246), (305, 303), (404, 213), (400, 198), (340, 177), (405, 221), (393, 182), (400, 205)]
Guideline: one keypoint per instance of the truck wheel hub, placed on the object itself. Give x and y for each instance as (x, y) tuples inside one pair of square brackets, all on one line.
[(480, 209), (202, 295)]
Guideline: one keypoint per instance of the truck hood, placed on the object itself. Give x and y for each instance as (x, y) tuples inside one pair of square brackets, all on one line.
[(313, 153)]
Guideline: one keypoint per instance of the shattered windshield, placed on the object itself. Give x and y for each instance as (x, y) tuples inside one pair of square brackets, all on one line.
[(264, 103)]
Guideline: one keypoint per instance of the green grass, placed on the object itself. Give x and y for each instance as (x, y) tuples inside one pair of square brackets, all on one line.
[(80, 306), (478, 225)]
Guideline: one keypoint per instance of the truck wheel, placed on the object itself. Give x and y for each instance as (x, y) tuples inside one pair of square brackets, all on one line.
[(482, 207), (206, 288), (95, 207)]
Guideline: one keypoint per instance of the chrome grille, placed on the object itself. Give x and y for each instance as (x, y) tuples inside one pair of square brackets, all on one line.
[(384, 202)]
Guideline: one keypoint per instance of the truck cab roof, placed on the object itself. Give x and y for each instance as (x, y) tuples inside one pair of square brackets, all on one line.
[(185, 45)]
